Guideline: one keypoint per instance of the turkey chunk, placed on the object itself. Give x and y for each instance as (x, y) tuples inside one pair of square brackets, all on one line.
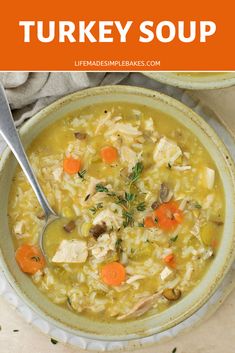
[(71, 251), (166, 152), (110, 218), (209, 178)]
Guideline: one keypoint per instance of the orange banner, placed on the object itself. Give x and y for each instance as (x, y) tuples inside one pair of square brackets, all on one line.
[(122, 35)]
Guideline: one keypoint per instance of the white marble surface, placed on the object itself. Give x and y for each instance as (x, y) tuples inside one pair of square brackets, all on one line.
[(216, 334)]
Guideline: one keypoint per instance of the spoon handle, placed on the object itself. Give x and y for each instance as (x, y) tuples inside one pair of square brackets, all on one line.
[(10, 135)]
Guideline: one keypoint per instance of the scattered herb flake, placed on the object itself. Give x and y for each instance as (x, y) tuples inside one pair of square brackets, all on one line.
[(174, 350), (156, 220), (35, 258), (141, 206), (118, 244), (15, 330), (94, 209), (87, 197), (53, 341), (197, 205), (101, 188), (82, 174), (173, 239), (69, 301), (169, 165), (141, 224)]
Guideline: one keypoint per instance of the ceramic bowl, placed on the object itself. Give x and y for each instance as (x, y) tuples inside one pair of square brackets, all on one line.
[(192, 80), (146, 326)]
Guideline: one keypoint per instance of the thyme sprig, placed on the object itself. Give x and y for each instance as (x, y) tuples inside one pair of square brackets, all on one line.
[(136, 172), (127, 200)]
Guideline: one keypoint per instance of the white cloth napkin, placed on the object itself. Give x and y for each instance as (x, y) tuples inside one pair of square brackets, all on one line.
[(30, 92)]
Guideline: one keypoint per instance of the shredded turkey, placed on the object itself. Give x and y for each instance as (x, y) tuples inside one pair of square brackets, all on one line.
[(141, 307), (166, 152), (109, 217), (105, 243)]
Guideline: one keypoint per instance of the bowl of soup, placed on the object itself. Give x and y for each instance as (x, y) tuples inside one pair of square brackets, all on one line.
[(145, 189), (194, 79)]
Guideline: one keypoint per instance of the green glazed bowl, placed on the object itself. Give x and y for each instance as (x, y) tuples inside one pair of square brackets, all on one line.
[(194, 80), (141, 327)]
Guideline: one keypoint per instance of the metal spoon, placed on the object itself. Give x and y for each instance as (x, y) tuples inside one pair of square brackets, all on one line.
[(11, 136)]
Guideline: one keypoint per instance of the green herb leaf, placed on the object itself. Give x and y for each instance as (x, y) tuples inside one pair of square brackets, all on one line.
[(173, 239), (129, 197), (118, 245), (69, 301), (101, 188), (174, 350), (94, 209), (128, 218), (197, 205), (82, 173), (136, 171), (141, 224), (141, 206)]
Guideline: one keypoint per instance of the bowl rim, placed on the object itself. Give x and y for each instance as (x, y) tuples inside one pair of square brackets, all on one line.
[(169, 77), (187, 112)]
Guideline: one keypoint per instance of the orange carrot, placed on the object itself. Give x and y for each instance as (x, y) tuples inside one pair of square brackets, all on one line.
[(169, 215), (113, 273), (71, 165), (149, 222), (170, 260), (29, 258), (109, 154)]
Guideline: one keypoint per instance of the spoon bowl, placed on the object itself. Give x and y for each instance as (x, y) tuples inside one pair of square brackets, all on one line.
[(10, 135)]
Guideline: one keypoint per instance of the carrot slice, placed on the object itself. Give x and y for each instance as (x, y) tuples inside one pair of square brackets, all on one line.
[(113, 273), (71, 165), (169, 215), (170, 260), (109, 154), (149, 222), (29, 258)]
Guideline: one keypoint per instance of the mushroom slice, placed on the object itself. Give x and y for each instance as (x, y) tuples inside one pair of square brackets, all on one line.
[(80, 135), (165, 194), (172, 294), (141, 307), (155, 205), (69, 227), (98, 229), (41, 216)]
